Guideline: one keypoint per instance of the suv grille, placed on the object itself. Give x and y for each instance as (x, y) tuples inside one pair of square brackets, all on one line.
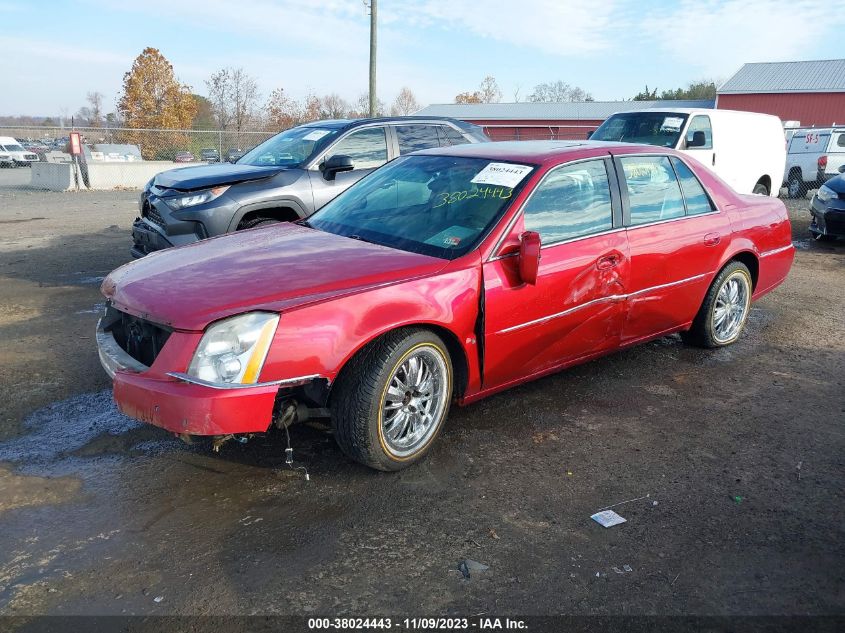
[(152, 214), (141, 339)]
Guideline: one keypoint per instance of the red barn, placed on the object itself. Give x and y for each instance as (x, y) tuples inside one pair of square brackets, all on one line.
[(812, 93), (526, 121)]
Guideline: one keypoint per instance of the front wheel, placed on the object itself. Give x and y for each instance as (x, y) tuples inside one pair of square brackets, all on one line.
[(391, 400), (723, 314)]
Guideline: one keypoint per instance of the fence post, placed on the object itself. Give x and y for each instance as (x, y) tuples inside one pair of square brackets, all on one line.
[(220, 143)]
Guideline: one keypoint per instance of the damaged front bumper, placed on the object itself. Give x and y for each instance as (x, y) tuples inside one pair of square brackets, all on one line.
[(181, 404)]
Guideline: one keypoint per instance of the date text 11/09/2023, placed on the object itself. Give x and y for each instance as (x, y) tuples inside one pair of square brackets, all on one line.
[(418, 624)]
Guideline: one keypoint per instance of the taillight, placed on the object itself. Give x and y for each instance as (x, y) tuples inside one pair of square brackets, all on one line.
[(822, 162)]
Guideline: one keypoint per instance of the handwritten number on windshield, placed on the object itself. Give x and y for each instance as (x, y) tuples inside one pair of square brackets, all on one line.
[(447, 197)]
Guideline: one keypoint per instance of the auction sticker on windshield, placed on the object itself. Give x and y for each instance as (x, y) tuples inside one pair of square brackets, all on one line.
[(502, 174), (672, 124), (316, 135)]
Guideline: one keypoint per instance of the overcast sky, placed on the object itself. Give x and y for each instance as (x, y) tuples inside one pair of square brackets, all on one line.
[(52, 52)]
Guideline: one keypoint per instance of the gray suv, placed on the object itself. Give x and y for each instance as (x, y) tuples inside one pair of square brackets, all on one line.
[(286, 178)]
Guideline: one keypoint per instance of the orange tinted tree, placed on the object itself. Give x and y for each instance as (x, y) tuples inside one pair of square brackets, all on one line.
[(152, 98)]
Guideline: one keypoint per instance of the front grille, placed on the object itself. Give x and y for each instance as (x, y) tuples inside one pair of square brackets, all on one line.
[(30, 157), (141, 339), (151, 213)]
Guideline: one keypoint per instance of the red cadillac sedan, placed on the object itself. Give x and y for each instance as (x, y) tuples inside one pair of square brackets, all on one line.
[(446, 275)]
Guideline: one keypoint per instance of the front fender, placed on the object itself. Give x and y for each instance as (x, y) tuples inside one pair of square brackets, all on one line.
[(319, 339)]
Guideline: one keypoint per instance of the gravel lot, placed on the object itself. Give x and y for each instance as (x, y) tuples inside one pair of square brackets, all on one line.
[(734, 457)]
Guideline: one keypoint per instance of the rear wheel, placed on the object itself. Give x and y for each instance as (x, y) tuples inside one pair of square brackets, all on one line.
[(723, 314), (391, 400), (795, 185)]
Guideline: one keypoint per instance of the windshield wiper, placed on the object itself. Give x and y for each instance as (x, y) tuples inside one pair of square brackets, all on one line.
[(305, 223), (362, 239)]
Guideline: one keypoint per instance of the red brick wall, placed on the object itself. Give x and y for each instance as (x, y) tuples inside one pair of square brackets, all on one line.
[(818, 109)]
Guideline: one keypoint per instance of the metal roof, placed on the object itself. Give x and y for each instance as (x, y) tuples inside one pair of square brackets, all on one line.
[(565, 111), (783, 77)]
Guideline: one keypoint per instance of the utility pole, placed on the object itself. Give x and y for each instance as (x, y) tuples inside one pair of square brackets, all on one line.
[(373, 24)]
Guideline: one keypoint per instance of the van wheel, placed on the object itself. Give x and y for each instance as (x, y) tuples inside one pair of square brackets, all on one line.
[(795, 186), (723, 314), (391, 400), (761, 189)]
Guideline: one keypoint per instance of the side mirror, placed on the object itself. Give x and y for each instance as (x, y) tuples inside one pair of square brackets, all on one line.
[(698, 139), (842, 169), (529, 257), (333, 165)]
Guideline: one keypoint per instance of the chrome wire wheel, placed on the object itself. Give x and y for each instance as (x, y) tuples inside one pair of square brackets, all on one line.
[(415, 400), (731, 307)]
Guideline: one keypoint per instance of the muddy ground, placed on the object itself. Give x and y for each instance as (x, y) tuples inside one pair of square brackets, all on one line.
[(734, 459)]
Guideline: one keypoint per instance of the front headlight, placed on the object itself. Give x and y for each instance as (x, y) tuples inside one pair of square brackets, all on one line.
[(825, 193), (196, 198), (234, 350)]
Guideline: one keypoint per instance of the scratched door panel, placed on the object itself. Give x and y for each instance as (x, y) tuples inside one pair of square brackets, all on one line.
[(574, 310)]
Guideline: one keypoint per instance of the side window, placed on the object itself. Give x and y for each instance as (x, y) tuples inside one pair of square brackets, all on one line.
[(450, 136), (698, 201), (572, 200), (653, 189), (367, 148), (414, 137), (840, 142), (700, 124)]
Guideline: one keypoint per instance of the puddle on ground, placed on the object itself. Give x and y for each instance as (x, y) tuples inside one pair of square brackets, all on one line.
[(65, 426), (17, 491)]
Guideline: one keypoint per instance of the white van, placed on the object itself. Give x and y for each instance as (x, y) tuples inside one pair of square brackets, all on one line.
[(747, 150), (814, 157), (17, 154)]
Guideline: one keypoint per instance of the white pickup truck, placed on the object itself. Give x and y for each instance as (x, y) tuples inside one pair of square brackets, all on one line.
[(814, 157)]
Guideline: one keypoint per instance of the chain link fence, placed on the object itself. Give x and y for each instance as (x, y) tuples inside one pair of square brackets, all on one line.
[(36, 158)]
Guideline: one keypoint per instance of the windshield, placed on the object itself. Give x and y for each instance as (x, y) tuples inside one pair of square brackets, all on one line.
[(651, 128), (291, 148), (12, 148), (434, 205)]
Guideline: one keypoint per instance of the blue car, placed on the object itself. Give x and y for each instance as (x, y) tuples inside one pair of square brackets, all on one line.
[(828, 209)]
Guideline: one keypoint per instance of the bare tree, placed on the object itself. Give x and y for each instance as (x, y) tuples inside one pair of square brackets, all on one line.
[(489, 90), (405, 103), (558, 91), (95, 102), (218, 86), (244, 95), (333, 106), (361, 109), (233, 95)]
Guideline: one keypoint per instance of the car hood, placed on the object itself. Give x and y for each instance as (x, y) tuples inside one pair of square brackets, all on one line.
[(837, 184), (205, 176), (273, 268)]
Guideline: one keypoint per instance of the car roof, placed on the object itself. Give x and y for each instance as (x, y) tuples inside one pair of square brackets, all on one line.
[(349, 123), (538, 152)]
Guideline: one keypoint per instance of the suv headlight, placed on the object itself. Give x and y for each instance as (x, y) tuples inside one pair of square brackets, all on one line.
[(194, 199), (825, 193), (234, 350)]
